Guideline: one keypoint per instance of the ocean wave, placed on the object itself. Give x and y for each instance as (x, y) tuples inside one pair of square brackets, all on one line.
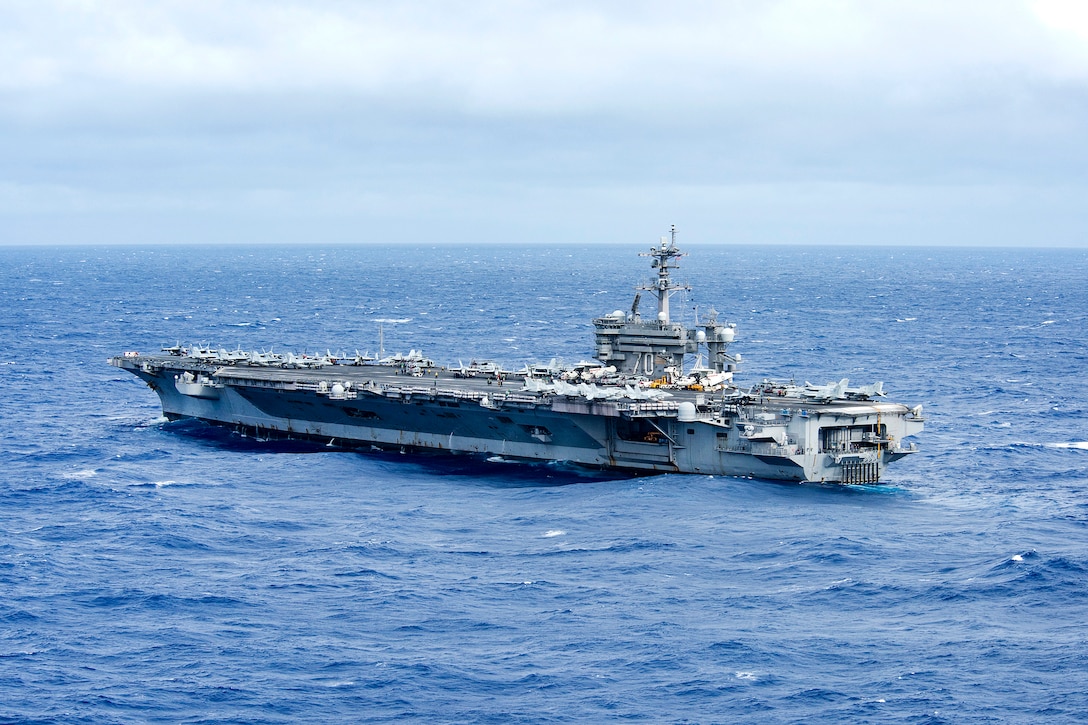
[(1074, 445), (156, 601)]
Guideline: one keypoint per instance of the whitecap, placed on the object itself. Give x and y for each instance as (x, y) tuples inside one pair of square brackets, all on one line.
[(551, 533), (1017, 557), (745, 675), (1048, 322), (1082, 445)]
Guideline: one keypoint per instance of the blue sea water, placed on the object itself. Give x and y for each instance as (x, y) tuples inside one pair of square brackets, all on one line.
[(170, 572)]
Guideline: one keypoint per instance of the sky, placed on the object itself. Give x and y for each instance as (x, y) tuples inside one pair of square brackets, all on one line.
[(886, 122)]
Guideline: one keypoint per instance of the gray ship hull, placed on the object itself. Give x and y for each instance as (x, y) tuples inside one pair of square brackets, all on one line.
[(774, 437)]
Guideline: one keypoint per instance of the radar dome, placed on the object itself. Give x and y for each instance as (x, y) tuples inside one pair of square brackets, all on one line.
[(686, 412)]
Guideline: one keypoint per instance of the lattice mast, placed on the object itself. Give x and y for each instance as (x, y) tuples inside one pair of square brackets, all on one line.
[(666, 258)]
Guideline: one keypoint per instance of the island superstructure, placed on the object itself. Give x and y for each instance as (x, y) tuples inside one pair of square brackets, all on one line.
[(640, 406)]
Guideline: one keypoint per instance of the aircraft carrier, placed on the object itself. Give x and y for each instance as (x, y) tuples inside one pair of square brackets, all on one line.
[(659, 397)]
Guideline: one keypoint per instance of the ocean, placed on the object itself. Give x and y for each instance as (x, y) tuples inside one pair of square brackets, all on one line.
[(172, 572)]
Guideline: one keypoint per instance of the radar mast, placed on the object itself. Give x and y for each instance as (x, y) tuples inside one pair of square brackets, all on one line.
[(666, 257)]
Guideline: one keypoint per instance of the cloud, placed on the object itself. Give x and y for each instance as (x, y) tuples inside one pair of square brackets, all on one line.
[(1067, 18), (519, 56), (327, 110)]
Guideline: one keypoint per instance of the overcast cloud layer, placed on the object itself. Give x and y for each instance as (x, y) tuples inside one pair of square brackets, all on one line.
[(773, 121)]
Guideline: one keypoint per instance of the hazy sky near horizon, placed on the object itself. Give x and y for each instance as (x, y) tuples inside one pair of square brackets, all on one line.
[(775, 121)]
